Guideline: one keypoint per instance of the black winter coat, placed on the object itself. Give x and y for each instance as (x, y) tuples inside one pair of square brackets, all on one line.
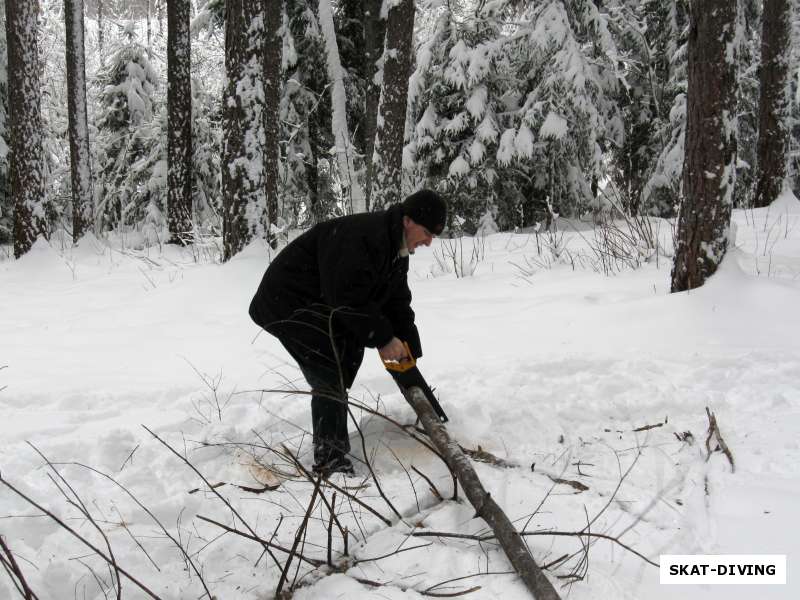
[(348, 267)]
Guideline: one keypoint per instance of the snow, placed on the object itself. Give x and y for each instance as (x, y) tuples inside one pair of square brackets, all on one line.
[(536, 360), (554, 126)]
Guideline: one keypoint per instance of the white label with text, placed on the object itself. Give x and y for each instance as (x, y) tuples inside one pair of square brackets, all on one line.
[(742, 569)]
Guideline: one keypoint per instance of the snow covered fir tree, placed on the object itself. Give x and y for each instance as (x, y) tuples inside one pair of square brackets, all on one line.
[(606, 296)]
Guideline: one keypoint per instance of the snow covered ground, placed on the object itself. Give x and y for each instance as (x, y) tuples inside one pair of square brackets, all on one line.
[(549, 366)]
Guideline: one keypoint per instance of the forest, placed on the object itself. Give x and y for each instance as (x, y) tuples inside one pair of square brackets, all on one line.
[(517, 111)]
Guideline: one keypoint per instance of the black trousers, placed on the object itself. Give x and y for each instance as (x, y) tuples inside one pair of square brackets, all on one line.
[(329, 362)]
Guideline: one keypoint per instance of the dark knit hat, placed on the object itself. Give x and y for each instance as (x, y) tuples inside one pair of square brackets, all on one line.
[(426, 208)]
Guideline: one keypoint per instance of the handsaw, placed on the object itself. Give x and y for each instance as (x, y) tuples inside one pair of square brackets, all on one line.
[(407, 375)]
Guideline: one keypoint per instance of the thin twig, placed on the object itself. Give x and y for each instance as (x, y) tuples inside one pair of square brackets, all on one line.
[(12, 567), (155, 519), (371, 470), (312, 561), (220, 496), (339, 489), (297, 537), (484, 538), (83, 540), (81, 507)]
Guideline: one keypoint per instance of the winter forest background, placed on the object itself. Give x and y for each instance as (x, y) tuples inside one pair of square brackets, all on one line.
[(596, 156), (517, 111)]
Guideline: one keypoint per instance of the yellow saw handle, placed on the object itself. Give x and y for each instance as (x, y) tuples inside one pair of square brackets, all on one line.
[(403, 365)]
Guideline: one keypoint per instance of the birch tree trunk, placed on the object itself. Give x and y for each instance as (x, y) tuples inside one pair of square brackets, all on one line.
[(773, 134), (272, 99), (179, 128), (485, 506), (709, 173), (80, 158), (243, 116), (394, 102), (26, 168), (339, 128)]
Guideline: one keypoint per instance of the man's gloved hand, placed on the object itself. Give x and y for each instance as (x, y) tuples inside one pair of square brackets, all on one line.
[(394, 350)]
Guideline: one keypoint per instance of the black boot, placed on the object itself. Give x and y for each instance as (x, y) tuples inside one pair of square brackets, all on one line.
[(329, 459)]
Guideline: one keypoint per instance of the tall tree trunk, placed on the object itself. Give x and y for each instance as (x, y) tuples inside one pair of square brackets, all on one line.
[(339, 128), (374, 37), (773, 133), (150, 31), (243, 116), (25, 123), (394, 102), (709, 173), (272, 103), (179, 134), (80, 158), (100, 31)]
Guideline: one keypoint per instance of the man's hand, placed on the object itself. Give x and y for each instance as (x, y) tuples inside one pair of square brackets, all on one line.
[(394, 350)]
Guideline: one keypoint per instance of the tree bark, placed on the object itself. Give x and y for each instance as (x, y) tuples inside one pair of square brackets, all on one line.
[(26, 169), (100, 31), (80, 158), (485, 506), (179, 128), (709, 172), (773, 134), (394, 102), (243, 125), (374, 37), (272, 100)]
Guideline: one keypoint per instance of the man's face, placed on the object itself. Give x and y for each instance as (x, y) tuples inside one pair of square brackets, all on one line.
[(416, 235)]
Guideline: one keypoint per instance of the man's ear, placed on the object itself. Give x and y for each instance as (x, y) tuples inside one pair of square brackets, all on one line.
[(407, 221)]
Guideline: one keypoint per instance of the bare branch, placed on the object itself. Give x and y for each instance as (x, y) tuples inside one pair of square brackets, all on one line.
[(300, 533), (83, 540), (220, 496), (14, 572), (155, 519), (311, 561), (578, 534), (713, 431)]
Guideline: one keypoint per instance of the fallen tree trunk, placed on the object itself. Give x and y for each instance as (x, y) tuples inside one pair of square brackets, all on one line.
[(485, 506)]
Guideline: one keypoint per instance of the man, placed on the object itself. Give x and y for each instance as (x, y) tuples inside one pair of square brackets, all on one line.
[(338, 288)]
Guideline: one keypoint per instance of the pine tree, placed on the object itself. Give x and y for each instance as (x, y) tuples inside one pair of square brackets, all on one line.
[(306, 116), (398, 59), (774, 102), (243, 125), (179, 135), (131, 160), (457, 94), (360, 36), (206, 142), (709, 166), (644, 31), (669, 22), (351, 192), (26, 173), (748, 59), (81, 169), (515, 120)]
